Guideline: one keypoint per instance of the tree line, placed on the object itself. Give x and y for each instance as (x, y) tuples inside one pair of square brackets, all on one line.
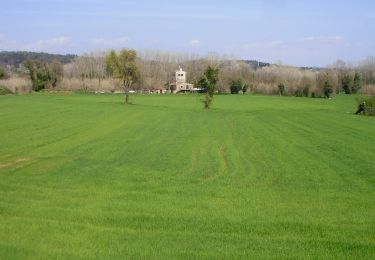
[(15, 58), (155, 70)]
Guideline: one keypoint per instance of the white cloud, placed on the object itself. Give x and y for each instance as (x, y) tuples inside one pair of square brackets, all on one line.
[(49, 43), (116, 42), (194, 43), (39, 45), (52, 44), (324, 39), (247, 46), (274, 43), (339, 38)]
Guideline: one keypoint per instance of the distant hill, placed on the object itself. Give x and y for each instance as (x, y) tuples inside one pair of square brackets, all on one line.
[(15, 58), (257, 64), (313, 68)]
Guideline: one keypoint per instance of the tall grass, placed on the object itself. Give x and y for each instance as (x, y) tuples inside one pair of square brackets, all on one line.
[(17, 84), (89, 84), (368, 90)]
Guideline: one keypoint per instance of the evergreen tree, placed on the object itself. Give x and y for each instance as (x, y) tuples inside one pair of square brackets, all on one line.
[(327, 89), (347, 83), (236, 86), (357, 82)]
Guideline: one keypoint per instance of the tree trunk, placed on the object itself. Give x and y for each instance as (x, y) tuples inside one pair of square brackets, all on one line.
[(126, 98)]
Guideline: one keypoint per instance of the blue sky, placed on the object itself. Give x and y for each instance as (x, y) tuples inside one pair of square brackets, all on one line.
[(313, 33)]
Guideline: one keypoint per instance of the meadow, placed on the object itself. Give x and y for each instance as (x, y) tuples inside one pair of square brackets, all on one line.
[(257, 177)]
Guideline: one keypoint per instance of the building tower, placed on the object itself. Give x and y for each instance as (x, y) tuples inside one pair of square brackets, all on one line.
[(180, 76), (179, 84)]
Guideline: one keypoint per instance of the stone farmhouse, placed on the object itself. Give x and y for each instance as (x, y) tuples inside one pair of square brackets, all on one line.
[(179, 84)]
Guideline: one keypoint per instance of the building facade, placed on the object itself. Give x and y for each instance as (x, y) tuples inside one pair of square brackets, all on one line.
[(179, 84)]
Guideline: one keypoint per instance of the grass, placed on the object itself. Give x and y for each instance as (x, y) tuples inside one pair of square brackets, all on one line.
[(84, 176)]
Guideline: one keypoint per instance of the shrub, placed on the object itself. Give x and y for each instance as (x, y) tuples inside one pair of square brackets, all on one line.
[(327, 89), (357, 83), (5, 91), (244, 88), (306, 90), (236, 87), (265, 89), (302, 91), (368, 90), (3, 73), (366, 106), (44, 75), (281, 88), (17, 85), (325, 83), (347, 83)]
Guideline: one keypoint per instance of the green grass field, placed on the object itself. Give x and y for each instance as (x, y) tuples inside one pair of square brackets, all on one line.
[(85, 176)]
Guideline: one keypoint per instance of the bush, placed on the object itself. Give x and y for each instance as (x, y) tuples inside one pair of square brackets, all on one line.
[(244, 88), (306, 90), (347, 83), (368, 90), (3, 73), (357, 83), (327, 89), (303, 92), (44, 75), (5, 91), (366, 106), (236, 87), (281, 88)]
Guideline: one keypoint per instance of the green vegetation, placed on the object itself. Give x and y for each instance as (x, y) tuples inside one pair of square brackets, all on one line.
[(124, 67), (351, 84), (15, 58), (5, 91), (327, 89), (281, 88), (3, 73), (236, 86), (245, 87), (347, 83), (44, 75), (208, 82), (366, 106), (304, 92), (357, 82), (254, 177)]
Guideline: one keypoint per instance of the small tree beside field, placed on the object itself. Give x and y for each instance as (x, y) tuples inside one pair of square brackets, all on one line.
[(123, 66), (208, 82)]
